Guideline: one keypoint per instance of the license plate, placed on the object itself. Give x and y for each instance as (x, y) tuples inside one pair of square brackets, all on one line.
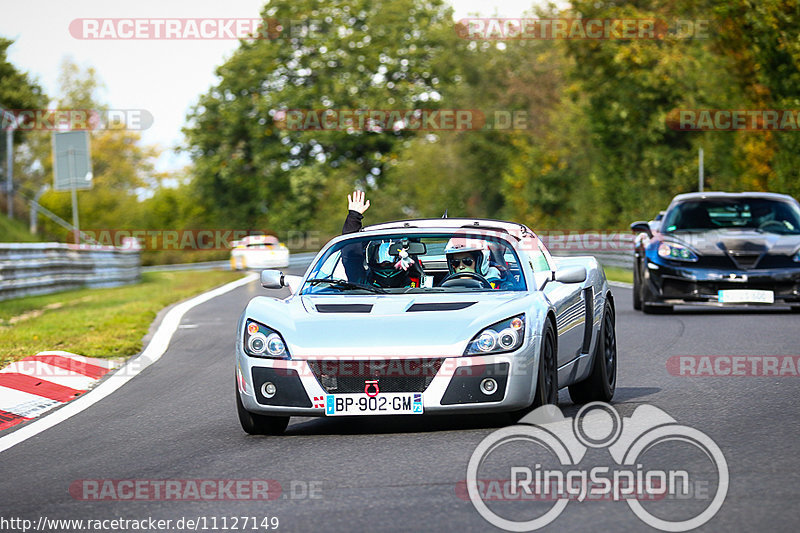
[(385, 403), (745, 296)]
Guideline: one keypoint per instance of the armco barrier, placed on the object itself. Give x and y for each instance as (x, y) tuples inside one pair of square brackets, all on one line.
[(28, 269), (619, 259)]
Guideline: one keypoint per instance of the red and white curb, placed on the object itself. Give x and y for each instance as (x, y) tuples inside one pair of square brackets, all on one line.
[(36, 384), (152, 353)]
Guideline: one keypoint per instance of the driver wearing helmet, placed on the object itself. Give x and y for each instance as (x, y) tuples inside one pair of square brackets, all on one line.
[(467, 255)]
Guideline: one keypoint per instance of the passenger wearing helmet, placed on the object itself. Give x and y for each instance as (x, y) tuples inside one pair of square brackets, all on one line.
[(389, 265), (467, 255)]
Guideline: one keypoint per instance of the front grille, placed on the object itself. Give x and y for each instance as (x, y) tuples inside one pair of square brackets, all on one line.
[(745, 260), (701, 290), (392, 374)]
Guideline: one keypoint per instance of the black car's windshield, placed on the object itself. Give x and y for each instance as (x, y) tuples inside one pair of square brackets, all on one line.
[(760, 214), (417, 263)]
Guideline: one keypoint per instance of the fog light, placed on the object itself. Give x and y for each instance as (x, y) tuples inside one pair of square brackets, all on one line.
[(268, 389), (488, 386)]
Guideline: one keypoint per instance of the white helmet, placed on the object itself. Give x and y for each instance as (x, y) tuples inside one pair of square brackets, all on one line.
[(478, 247)]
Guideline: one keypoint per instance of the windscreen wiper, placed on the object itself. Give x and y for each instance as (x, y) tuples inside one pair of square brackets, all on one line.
[(342, 284)]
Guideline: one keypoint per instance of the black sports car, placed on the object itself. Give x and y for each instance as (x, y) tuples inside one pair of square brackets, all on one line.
[(720, 249)]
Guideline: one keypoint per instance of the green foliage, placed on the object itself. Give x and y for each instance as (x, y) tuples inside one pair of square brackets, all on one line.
[(345, 55), (17, 89)]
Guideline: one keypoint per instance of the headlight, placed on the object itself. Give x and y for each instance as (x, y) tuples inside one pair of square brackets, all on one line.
[(676, 252), (505, 336), (261, 341), (797, 256)]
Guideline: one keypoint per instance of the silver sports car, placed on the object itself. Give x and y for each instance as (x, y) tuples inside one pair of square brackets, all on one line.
[(426, 317)]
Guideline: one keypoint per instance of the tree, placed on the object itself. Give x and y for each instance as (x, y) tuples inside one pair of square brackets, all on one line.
[(355, 54)]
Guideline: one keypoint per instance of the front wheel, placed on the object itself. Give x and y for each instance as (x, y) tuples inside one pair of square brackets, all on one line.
[(647, 297), (547, 382), (637, 287), (256, 424), (602, 382)]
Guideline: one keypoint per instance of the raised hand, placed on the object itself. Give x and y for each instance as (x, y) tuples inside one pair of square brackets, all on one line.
[(355, 202)]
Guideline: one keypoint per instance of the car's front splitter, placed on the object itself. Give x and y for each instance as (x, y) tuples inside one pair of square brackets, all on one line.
[(456, 387), (685, 284)]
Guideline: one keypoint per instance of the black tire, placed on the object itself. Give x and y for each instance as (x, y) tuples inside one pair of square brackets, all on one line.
[(547, 381), (256, 424), (637, 287), (647, 297), (602, 382), (796, 309)]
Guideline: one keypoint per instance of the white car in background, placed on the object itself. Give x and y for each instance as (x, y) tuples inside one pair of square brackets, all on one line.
[(258, 252)]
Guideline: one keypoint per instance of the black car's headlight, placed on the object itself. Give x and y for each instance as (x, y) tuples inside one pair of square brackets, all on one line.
[(676, 252), (797, 255), (261, 341), (505, 336)]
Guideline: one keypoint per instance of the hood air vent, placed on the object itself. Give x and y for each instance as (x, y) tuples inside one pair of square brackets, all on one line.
[(439, 306), (344, 308)]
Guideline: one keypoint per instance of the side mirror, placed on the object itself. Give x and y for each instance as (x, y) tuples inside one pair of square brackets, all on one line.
[(576, 274), (272, 279), (275, 279), (642, 227)]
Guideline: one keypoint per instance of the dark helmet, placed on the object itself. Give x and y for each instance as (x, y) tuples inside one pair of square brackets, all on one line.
[(383, 271)]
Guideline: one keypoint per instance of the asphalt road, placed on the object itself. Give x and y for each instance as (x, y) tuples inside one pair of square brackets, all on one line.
[(177, 420)]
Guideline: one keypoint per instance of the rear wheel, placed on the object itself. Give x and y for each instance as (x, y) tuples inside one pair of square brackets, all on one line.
[(602, 382), (256, 424)]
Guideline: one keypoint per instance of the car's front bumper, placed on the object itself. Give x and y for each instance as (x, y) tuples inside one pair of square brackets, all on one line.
[(673, 284), (454, 386)]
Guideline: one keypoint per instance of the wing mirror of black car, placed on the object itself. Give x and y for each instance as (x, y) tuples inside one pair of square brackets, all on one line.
[(576, 274), (642, 227), (273, 279), (414, 248)]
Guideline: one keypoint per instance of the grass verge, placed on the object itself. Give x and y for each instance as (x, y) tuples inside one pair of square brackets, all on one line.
[(96, 322), (619, 274)]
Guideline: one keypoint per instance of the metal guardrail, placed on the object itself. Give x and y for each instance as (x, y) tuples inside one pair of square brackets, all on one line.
[(616, 258), (28, 269), (295, 260)]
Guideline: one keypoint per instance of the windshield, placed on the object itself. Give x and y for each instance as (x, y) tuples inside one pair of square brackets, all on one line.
[(417, 263), (759, 214)]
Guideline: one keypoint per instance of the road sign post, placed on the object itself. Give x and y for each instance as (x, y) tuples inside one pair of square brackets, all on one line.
[(72, 168)]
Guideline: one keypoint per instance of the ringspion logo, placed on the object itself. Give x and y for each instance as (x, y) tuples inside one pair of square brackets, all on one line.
[(548, 461)]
